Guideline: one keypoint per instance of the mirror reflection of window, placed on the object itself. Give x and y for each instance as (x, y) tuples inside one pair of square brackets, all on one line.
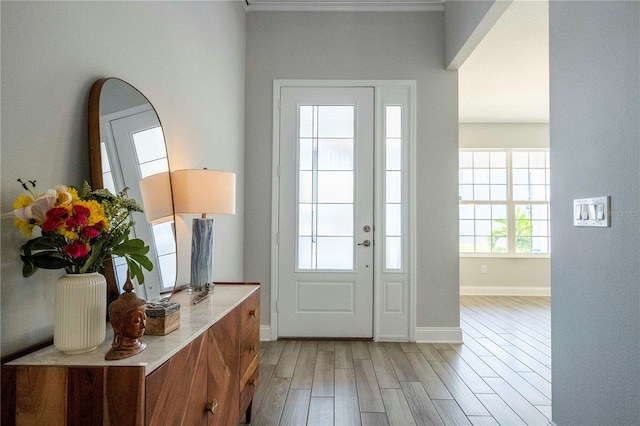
[(152, 159)]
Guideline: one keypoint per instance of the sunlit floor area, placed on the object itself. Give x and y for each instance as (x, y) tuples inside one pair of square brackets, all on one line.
[(501, 375)]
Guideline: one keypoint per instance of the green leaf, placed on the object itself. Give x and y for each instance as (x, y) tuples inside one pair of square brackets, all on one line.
[(135, 271), (49, 260), (143, 261)]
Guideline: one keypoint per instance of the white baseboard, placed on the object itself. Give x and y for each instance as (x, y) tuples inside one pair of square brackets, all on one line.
[(265, 333), (438, 335), (504, 291)]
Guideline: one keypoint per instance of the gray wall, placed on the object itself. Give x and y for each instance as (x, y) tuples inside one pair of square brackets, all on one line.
[(187, 57), (361, 45), (595, 141)]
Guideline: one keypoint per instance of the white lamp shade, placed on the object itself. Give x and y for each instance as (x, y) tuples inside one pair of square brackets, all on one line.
[(203, 191), (156, 197)]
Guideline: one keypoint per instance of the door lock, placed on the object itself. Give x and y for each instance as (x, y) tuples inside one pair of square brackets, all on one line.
[(365, 243), (366, 228)]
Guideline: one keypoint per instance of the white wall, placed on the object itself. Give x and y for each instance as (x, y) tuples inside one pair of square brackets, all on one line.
[(515, 275), (187, 57), (595, 150), (361, 45)]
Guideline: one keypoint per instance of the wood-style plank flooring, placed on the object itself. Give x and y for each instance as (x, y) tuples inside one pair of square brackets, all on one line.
[(501, 375)]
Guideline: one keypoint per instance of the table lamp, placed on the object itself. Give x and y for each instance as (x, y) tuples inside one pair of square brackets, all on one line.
[(203, 192), (156, 198)]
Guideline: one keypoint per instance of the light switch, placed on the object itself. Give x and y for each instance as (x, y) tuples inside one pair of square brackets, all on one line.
[(592, 212)]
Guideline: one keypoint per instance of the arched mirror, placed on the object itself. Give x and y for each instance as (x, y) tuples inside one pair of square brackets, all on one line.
[(128, 150)]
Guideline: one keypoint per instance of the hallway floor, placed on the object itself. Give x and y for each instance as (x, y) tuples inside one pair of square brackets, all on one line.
[(501, 375)]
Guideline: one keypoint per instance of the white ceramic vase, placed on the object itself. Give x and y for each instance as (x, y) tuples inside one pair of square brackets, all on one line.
[(80, 312)]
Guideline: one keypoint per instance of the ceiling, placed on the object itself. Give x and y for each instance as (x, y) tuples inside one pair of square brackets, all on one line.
[(506, 77)]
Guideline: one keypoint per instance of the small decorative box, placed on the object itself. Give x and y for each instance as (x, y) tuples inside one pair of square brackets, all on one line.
[(162, 318)]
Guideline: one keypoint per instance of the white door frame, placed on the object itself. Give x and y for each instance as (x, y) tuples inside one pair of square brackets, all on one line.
[(378, 309)]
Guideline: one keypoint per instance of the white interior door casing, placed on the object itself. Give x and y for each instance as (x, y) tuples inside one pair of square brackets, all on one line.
[(391, 160)]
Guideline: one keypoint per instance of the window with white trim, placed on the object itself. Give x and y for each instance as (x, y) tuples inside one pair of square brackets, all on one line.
[(504, 201)]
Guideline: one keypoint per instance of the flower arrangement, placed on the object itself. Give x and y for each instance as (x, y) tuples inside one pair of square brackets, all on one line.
[(79, 230)]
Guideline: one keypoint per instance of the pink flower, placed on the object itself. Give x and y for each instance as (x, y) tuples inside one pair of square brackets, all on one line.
[(79, 216), (55, 218), (89, 232), (76, 249)]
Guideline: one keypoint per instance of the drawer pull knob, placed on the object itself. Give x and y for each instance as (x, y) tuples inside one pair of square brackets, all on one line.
[(252, 383), (211, 406), (253, 348), (252, 313)]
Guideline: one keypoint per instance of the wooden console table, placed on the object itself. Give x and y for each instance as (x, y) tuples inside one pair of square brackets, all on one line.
[(203, 373)]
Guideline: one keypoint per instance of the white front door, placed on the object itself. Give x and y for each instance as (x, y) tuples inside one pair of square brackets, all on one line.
[(326, 212)]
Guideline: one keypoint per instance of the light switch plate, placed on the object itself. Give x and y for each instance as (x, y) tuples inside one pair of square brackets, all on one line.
[(594, 211)]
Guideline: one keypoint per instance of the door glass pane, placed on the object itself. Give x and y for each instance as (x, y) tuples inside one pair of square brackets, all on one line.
[(326, 187), (335, 220), (149, 144), (335, 154), (335, 253), (336, 121), (335, 187), (393, 187)]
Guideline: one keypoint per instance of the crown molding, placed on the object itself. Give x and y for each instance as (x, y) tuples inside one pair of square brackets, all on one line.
[(345, 5)]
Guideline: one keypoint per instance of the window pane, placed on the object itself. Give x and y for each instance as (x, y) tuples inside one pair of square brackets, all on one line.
[(393, 253), (467, 227), (394, 154), (306, 154), (521, 192), (466, 192), (304, 252), (538, 192), (466, 176), (465, 159), (466, 211), (305, 219), (335, 253), (539, 228), (393, 121), (335, 121), (537, 160), (149, 145), (539, 211), (498, 159), (537, 177), (483, 245), (483, 211), (499, 211), (498, 176), (483, 227), (394, 187), (154, 167), (335, 154), (519, 159), (540, 245), (498, 192), (393, 220), (481, 176), (168, 269), (305, 187), (520, 176), (306, 121), (467, 244), (481, 192), (163, 237), (335, 187), (480, 159), (335, 220)]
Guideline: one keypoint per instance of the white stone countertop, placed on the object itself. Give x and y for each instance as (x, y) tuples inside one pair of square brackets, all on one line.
[(194, 320)]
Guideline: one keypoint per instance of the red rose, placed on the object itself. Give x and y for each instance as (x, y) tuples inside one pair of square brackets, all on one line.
[(55, 218), (89, 232), (76, 249), (79, 216)]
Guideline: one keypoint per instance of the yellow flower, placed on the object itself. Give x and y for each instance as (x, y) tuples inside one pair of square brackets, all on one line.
[(69, 235), (22, 201), (24, 226), (96, 214)]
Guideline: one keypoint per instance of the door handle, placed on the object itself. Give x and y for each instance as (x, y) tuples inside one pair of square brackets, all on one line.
[(365, 243)]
